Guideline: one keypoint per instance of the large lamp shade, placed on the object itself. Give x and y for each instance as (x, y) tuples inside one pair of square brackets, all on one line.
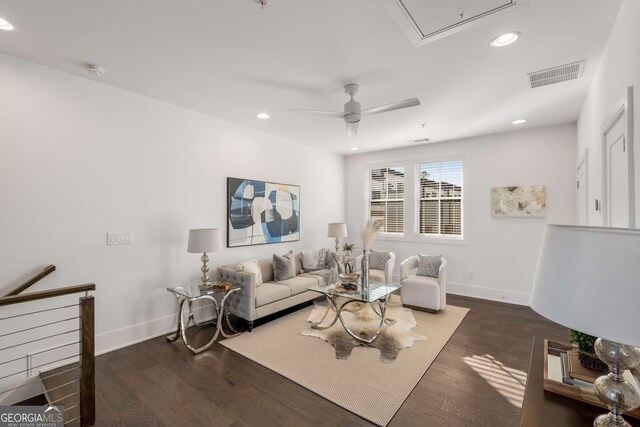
[(588, 279), (204, 240), (337, 229)]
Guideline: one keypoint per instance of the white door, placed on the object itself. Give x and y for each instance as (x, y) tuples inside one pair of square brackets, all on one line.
[(582, 198), (617, 173)]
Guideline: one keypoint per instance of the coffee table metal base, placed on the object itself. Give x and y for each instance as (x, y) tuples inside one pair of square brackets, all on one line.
[(333, 300)]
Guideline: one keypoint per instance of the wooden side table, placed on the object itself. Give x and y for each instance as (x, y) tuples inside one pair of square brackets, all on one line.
[(191, 293), (543, 408)]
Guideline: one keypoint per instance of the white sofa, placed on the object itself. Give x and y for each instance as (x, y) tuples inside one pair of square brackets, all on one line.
[(253, 302), (428, 293), (378, 276)]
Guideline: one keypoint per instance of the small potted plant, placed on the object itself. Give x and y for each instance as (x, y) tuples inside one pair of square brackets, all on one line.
[(348, 248), (586, 352)]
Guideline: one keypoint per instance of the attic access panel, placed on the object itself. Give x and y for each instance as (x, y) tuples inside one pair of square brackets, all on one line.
[(427, 21)]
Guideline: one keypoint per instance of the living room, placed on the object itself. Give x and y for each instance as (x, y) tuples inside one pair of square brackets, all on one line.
[(123, 123)]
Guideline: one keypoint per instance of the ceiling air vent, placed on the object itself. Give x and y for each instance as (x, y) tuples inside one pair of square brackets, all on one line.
[(555, 75)]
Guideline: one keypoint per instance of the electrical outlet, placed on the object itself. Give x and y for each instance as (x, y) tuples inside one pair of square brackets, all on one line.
[(119, 238)]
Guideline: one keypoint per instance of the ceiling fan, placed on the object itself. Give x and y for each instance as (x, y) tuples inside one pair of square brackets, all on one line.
[(352, 112)]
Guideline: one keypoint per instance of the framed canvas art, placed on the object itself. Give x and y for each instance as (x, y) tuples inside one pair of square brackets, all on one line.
[(260, 212), (523, 201)]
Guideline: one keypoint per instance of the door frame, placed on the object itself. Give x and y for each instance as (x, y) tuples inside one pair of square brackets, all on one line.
[(583, 160), (625, 106)]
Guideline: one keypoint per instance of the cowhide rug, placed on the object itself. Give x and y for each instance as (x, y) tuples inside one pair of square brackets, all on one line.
[(364, 323)]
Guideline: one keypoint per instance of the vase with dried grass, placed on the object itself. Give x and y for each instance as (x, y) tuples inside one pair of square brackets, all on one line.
[(368, 236)]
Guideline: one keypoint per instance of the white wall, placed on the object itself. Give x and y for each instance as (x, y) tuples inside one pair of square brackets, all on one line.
[(618, 69), (79, 159), (501, 253)]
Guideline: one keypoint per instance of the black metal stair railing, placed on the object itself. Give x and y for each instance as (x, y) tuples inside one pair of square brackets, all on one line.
[(47, 350)]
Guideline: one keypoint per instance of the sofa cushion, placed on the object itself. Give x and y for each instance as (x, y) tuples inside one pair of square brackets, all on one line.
[(378, 259), (376, 276), (429, 265), (299, 283), (253, 267), (319, 280), (271, 292)]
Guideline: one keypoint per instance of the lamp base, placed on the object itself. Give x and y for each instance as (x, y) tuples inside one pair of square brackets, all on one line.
[(613, 389)]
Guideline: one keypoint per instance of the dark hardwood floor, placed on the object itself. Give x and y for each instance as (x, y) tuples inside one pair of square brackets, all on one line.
[(471, 382)]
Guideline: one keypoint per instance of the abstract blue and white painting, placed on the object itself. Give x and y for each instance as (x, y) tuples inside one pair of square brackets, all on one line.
[(261, 212)]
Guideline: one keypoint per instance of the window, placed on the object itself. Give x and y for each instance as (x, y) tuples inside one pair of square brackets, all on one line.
[(384, 189), (439, 198)]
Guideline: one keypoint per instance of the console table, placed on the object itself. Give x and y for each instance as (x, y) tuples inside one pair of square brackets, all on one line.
[(543, 408)]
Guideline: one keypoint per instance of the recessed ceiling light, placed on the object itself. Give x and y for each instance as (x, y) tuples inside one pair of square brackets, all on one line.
[(505, 39), (354, 148), (5, 25), (262, 116), (519, 122)]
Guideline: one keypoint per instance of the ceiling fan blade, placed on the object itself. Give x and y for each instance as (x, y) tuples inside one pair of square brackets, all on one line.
[(352, 128), (338, 114), (411, 102)]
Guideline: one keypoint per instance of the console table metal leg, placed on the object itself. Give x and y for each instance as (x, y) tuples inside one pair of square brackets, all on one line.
[(225, 313), (174, 337)]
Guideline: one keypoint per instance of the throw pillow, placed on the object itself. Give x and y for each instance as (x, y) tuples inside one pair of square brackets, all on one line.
[(311, 261), (429, 265), (251, 266), (378, 259), (284, 267)]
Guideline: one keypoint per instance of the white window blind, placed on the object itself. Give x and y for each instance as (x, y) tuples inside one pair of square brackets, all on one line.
[(384, 195), (439, 195)]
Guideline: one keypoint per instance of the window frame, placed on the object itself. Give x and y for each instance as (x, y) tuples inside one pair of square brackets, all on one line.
[(368, 199), (442, 238)]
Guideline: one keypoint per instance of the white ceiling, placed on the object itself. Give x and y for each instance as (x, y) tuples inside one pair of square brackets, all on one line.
[(232, 59)]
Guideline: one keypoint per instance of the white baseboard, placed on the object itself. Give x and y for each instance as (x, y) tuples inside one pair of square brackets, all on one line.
[(129, 335), (493, 294)]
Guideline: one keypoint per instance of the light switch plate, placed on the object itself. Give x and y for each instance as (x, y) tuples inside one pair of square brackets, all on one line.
[(119, 238)]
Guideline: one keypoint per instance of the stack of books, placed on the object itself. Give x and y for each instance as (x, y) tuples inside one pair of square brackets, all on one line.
[(573, 373)]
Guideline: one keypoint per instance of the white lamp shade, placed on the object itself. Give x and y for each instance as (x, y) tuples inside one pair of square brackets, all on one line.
[(203, 240), (588, 279), (337, 229)]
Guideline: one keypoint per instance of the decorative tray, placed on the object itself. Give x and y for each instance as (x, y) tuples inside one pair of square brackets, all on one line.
[(558, 376)]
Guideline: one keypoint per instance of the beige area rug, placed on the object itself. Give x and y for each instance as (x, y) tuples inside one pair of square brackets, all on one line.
[(361, 384)]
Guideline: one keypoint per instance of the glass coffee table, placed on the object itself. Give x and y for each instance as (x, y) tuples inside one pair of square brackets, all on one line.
[(190, 293), (377, 298)]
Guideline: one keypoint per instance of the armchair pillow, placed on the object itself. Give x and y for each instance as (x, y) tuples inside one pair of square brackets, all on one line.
[(378, 259), (284, 267), (429, 265), (251, 266)]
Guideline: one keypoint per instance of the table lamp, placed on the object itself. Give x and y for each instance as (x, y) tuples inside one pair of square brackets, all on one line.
[(588, 279), (337, 230), (201, 241)]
